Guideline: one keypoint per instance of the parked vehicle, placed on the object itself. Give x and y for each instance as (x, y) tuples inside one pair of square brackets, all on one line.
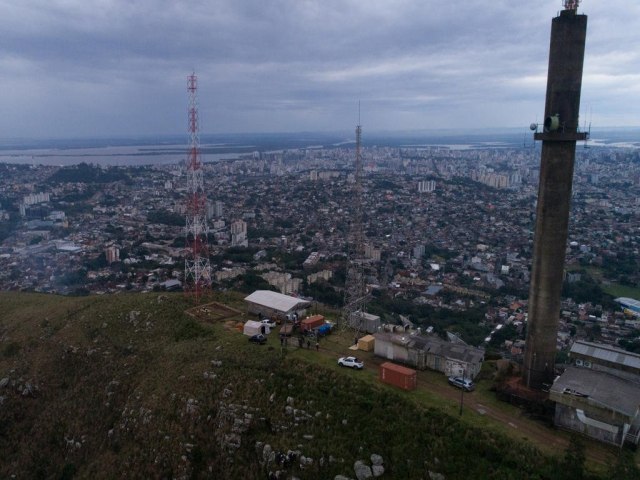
[(466, 384), (286, 330), (268, 322), (351, 362), (260, 339)]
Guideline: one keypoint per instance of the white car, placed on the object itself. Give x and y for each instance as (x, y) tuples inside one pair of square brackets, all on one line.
[(464, 383), (351, 362)]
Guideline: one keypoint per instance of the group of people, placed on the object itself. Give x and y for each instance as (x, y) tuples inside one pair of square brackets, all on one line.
[(301, 343)]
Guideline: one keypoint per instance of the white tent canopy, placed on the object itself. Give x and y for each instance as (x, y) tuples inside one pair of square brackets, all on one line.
[(262, 300)]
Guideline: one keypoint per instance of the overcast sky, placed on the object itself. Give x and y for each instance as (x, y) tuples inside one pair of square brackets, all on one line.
[(78, 68)]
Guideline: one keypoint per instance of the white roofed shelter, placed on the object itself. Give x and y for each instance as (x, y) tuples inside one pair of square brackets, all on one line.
[(270, 304)]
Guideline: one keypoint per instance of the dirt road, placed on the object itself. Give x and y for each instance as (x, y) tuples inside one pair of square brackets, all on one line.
[(481, 402), (515, 422)]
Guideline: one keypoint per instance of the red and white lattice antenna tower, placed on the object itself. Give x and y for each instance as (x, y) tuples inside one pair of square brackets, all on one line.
[(197, 269)]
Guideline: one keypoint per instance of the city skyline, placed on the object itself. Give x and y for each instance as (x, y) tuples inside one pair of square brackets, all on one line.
[(74, 70)]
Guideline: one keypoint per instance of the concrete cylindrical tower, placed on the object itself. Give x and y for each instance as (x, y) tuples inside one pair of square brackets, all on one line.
[(564, 81)]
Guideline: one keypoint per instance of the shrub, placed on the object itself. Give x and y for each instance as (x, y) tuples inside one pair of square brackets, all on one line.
[(11, 350), (190, 329)]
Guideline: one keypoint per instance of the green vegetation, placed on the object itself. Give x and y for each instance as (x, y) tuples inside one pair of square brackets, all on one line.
[(165, 217), (36, 240), (621, 264), (283, 223), (624, 467), (97, 263), (630, 345), (190, 329), (433, 252), (385, 184), (507, 333), (106, 384), (254, 233), (606, 290), (587, 289), (467, 324), (322, 291), (572, 463), (239, 254), (251, 281), (84, 173), (622, 291), (7, 227), (11, 349), (290, 261)]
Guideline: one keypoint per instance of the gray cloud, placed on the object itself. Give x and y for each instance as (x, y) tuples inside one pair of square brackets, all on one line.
[(77, 68)]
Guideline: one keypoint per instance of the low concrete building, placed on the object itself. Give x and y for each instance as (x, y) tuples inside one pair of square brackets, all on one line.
[(365, 322), (597, 404), (430, 351), (599, 395), (171, 284)]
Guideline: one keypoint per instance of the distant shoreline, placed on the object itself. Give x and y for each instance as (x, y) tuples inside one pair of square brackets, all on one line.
[(164, 150)]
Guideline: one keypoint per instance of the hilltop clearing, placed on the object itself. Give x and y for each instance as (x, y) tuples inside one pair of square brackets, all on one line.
[(131, 386)]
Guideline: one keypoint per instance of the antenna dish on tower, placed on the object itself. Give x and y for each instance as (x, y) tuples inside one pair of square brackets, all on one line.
[(571, 4)]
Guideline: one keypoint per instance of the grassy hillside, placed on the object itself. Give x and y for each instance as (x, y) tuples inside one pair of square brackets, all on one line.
[(131, 386)]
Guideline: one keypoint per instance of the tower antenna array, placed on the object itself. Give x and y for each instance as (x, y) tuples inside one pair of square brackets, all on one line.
[(197, 269), (571, 4)]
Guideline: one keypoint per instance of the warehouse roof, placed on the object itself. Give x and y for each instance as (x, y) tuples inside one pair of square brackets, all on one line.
[(628, 302), (276, 301), (599, 389), (607, 353), (435, 345)]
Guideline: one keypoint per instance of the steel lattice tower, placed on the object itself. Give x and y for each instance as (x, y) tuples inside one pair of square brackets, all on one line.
[(197, 269), (355, 293)]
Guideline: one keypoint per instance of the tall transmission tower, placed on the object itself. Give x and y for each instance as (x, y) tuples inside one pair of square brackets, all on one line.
[(355, 292), (197, 269), (557, 159)]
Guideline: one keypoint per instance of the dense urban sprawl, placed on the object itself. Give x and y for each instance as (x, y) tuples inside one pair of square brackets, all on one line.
[(446, 230)]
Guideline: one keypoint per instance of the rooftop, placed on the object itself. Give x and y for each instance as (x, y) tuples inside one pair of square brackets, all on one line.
[(607, 353), (275, 300), (599, 389), (437, 346)]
